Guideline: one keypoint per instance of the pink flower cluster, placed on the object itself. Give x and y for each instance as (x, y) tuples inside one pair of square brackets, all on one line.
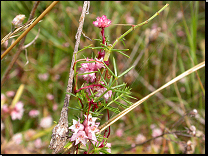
[(102, 22), (100, 90), (16, 112), (91, 67), (85, 131)]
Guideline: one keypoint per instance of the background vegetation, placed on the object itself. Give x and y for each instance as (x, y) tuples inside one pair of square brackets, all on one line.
[(179, 46)]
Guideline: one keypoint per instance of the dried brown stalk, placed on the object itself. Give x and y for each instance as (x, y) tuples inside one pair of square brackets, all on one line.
[(60, 131)]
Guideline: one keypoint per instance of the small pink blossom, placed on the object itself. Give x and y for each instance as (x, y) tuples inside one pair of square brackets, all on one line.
[(5, 108), (101, 90), (129, 18), (50, 96), (77, 126), (91, 67), (17, 138), (119, 132), (55, 106), (140, 138), (43, 77), (46, 122), (3, 97), (79, 137), (2, 125), (33, 113), (10, 93), (38, 143), (17, 111), (91, 130), (157, 132), (102, 22), (89, 120)]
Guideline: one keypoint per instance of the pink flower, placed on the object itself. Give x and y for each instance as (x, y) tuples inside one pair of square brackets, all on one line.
[(2, 125), (91, 67), (102, 22), (91, 130), (38, 143), (119, 132), (77, 126), (140, 138), (55, 107), (17, 138), (101, 90), (157, 132), (46, 122), (89, 120), (79, 137), (5, 108), (129, 18), (3, 97), (50, 96), (109, 146), (10, 93), (17, 111), (43, 77), (33, 113)]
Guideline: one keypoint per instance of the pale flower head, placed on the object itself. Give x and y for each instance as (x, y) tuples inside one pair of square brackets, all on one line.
[(50, 96), (119, 132), (79, 137), (17, 111), (10, 93), (43, 77), (46, 122), (38, 143), (140, 138), (33, 113), (5, 108), (77, 126), (17, 21), (91, 67), (2, 125), (102, 22), (89, 120), (17, 138)]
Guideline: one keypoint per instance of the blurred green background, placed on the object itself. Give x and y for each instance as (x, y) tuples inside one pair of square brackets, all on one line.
[(179, 46)]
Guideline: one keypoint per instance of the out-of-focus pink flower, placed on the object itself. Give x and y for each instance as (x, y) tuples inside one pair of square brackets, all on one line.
[(46, 122), (79, 137), (10, 93), (109, 146), (129, 18), (157, 132), (17, 111), (38, 143), (77, 126), (5, 108), (50, 96), (17, 138), (2, 125), (18, 20), (33, 113), (43, 77), (3, 97), (29, 134), (55, 106), (140, 138), (119, 132), (102, 22)]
